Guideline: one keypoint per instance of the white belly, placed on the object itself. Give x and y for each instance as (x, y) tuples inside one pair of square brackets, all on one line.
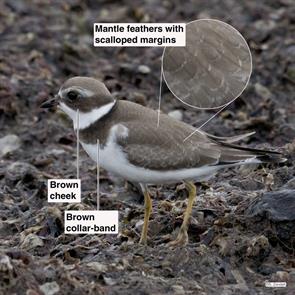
[(114, 160)]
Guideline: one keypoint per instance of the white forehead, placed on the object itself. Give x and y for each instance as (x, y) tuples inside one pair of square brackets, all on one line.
[(84, 92)]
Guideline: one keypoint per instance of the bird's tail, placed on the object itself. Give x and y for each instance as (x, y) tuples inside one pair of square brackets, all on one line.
[(232, 153), (245, 153)]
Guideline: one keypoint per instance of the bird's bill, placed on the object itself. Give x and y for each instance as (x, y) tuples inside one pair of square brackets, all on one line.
[(50, 103)]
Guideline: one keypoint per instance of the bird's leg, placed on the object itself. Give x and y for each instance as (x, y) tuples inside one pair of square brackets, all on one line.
[(182, 237), (147, 213)]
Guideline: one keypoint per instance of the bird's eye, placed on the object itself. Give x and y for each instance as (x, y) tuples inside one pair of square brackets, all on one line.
[(72, 95)]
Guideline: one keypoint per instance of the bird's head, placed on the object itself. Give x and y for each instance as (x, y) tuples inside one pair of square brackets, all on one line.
[(88, 95)]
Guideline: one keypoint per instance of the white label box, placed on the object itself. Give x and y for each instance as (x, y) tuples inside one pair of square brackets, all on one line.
[(91, 222), (275, 284), (64, 190), (139, 34)]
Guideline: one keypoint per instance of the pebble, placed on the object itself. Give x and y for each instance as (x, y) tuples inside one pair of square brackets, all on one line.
[(50, 288), (31, 241), (99, 267), (202, 249), (143, 69), (262, 29), (200, 217), (5, 263), (247, 184), (56, 152), (8, 144), (257, 245), (126, 68), (265, 25), (178, 289), (139, 98), (280, 276), (116, 14), (283, 276), (267, 269), (176, 114), (109, 281), (139, 225), (262, 91), (165, 206), (21, 171)]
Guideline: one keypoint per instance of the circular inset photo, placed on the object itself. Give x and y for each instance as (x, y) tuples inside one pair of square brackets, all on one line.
[(214, 67)]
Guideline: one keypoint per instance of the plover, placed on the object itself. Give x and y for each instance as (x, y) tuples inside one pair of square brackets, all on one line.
[(133, 146)]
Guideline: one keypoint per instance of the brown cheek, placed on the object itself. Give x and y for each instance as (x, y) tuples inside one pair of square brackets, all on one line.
[(80, 106), (68, 103), (85, 105)]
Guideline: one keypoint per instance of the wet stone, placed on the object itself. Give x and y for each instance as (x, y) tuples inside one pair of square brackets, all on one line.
[(275, 206)]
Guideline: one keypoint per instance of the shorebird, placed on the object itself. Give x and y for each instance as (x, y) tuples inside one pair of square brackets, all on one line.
[(133, 146)]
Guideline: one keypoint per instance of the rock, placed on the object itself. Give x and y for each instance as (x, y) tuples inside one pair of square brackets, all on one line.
[(281, 276), (108, 281), (31, 241), (202, 250), (7, 272), (126, 69), (258, 245), (99, 267), (50, 288), (276, 206), (165, 206), (178, 289), (143, 69), (139, 98), (265, 25), (290, 184), (200, 217), (224, 245), (176, 114), (262, 91), (21, 171), (267, 269), (5, 264), (247, 184), (116, 14), (139, 225), (8, 144), (262, 29), (56, 152)]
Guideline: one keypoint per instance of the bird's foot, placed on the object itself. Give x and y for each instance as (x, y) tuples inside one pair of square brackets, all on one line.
[(143, 241), (181, 240)]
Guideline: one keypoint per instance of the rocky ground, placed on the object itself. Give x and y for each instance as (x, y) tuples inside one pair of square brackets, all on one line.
[(242, 229)]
